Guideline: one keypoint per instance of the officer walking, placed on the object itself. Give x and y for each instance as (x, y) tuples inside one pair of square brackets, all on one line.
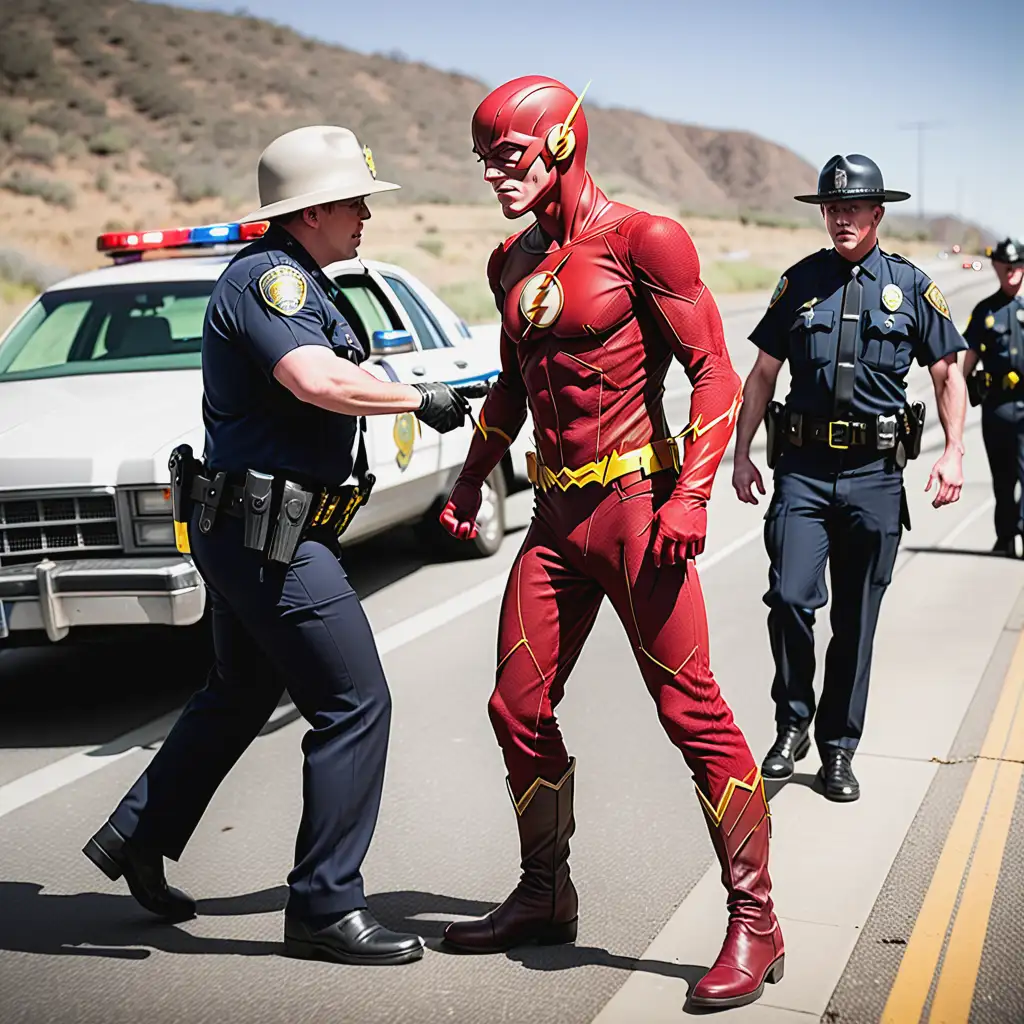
[(850, 320), (282, 403), (995, 334)]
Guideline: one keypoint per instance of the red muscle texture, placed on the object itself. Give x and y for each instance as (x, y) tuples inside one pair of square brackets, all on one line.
[(668, 280)]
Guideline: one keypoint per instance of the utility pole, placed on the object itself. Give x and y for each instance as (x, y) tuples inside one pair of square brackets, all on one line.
[(920, 127)]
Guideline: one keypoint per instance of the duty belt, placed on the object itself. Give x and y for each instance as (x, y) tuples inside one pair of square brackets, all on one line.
[(879, 433), (652, 458)]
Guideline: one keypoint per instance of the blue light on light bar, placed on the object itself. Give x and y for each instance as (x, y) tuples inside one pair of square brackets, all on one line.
[(213, 233)]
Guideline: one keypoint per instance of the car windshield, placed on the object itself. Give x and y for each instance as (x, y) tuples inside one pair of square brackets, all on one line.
[(113, 329)]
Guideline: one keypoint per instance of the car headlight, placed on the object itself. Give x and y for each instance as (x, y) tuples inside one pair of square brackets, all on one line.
[(154, 535), (153, 502)]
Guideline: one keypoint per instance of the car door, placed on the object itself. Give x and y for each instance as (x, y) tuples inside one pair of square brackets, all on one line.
[(404, 455)]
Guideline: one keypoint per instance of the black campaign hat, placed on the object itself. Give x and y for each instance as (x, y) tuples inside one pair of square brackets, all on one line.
[(852, 177), (1009, 250)]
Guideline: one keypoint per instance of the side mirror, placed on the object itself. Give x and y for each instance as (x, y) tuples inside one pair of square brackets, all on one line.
[(391, 343)]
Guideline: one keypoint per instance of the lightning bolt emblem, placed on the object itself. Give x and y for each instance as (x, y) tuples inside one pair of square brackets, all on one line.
[(539, 312)]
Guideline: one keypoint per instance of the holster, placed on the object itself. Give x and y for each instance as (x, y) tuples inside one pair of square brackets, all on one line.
[(978, 385), (181, 464), (774, 432), (913, 428)]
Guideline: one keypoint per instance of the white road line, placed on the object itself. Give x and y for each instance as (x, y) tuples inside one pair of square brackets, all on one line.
[(968, 521), (48, 779)]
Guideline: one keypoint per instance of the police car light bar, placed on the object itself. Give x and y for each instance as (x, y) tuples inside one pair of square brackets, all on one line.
[(119, 242)]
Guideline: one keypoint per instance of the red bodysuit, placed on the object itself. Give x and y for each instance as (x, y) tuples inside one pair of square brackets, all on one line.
[(596, 299)]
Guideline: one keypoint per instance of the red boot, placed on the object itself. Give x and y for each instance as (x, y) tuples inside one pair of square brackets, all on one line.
[(543, 906), (752, 952)]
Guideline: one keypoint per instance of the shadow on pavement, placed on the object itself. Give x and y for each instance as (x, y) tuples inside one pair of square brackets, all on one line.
[(99, 924), (975, 552), (811, 781), (563, 958)]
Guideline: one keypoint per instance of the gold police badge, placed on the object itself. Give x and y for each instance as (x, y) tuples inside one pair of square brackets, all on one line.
[(892, 297), (283, 288), (779, 289), (990, 322), (936, 299), (368, 157), (404, 433)]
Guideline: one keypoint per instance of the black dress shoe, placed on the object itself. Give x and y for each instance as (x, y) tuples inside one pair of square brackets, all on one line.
[(143, 870), (357, 938), (791, 744), (836, 776), (1006, 546)]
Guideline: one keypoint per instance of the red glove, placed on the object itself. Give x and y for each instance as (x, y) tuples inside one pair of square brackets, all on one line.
[(678, 532), (458, 516)]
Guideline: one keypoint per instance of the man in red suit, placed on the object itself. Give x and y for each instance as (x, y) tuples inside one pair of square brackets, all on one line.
[(596, 298)]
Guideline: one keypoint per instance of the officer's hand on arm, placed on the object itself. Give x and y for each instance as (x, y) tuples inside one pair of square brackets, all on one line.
[(757, 393), (441, 407), (951, 397)]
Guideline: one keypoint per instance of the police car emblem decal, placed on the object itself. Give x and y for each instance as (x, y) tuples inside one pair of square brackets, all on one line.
[(937, 300), (368, 157), (892, 297), (542, 299), (990, 321), (283, 288), (779, 289), (404, 433)]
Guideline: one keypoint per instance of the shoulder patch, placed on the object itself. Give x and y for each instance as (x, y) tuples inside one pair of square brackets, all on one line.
[(936, 299), (283, 288), (779, 290)]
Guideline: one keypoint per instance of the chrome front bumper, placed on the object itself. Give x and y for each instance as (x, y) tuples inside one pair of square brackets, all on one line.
[(58, 596)]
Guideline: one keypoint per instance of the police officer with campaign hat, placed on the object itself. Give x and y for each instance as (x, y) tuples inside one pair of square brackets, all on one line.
[(283, 403), (850, 320), (995, 333)]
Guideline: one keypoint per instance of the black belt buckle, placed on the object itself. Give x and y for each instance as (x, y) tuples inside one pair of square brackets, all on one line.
[(291, 522), (840, 434), (213, 495), (256, 509)]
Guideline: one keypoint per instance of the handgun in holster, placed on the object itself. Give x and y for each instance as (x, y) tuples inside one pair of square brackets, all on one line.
[(913, 428), (181, 465), (774, 433), (256, 502)]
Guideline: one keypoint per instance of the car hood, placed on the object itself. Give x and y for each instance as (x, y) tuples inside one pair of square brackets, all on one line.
[(97, 429)]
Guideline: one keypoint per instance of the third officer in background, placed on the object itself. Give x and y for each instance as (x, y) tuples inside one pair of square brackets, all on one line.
[(995, 333), (850, 320)]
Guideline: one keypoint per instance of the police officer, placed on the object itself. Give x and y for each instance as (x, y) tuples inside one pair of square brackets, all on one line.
[(995, 334), (850, 319), (282, 403)]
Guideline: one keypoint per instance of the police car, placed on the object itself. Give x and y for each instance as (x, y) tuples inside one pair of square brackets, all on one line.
[(100, 377)]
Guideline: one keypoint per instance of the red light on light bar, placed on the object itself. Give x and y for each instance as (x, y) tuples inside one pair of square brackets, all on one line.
[(136, 241), (246, 232)]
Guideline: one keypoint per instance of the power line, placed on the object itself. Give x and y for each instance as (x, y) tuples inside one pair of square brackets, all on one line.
[(921, 127)]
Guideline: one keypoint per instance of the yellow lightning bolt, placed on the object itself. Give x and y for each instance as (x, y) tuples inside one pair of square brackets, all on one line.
[(563, 135), (542, 293)]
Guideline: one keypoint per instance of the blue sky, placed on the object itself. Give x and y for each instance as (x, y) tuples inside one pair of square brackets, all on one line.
[(817, 77)]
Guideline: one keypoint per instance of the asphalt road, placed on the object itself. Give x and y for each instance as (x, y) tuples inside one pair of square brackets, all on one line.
[(78, 725)]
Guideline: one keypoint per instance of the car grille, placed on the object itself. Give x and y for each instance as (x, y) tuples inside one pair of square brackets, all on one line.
[(34, 526)]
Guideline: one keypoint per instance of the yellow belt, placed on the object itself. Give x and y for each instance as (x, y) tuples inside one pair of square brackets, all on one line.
[(652, 458)]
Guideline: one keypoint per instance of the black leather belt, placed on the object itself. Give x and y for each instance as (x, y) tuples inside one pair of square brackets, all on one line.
[(204, 492), (878, 433)]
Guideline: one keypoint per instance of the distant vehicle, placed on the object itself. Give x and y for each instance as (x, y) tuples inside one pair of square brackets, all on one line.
[(971, 264), (100, 377), (956, 248)]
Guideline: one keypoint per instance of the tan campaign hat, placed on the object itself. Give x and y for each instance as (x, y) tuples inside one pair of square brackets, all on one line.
[(320, 163)]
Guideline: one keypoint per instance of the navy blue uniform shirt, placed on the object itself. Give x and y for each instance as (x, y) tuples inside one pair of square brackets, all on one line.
[(903, 317), (266, 303), (996, 332)]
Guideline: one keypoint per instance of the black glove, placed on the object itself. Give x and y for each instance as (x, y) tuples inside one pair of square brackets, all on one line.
[(442, 407)]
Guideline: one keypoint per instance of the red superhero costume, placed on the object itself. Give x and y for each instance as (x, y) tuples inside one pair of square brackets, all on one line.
[(596, 298)]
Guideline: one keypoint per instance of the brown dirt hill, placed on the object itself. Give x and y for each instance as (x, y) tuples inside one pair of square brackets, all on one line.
[(196, 95)]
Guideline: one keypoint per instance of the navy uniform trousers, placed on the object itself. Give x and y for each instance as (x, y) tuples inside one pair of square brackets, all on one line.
[(300, 628), (843, 509), (1002, 430)]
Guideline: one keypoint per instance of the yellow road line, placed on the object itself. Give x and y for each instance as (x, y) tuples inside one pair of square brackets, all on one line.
[(955, 990), (917, 968)]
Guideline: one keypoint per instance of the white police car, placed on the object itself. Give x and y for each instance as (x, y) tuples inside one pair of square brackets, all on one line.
[(100, 378)]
